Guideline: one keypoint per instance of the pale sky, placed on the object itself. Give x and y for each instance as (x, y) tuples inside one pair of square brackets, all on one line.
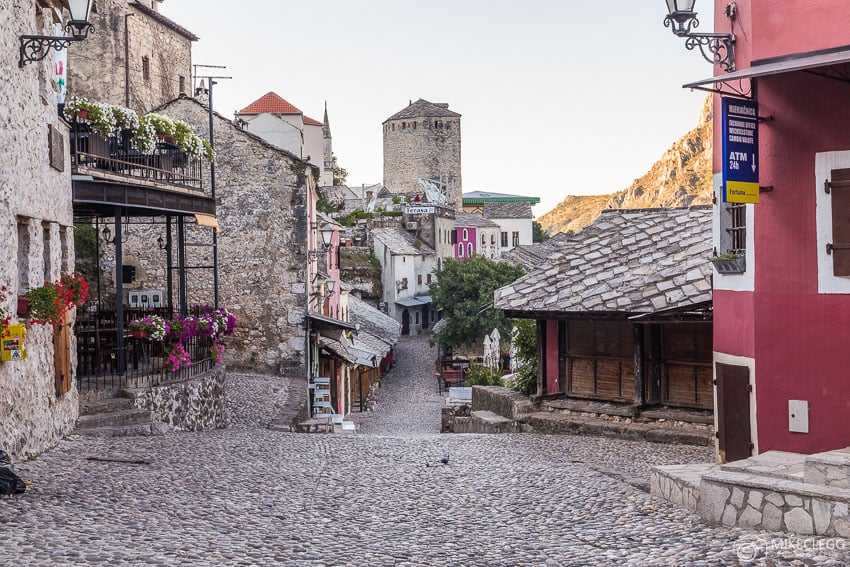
[(557, 97)]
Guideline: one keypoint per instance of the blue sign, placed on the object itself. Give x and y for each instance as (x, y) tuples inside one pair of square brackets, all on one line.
[(740, 150)]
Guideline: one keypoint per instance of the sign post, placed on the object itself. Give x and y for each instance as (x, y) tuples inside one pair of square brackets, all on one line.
[(740, 151)]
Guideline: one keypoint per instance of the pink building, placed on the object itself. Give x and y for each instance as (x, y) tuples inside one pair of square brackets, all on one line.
[(782, 325)]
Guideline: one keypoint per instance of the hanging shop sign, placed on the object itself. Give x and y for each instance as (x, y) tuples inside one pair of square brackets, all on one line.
[(740, 151)]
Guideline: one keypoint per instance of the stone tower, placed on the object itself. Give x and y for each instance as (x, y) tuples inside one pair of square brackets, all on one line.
[(423, 142), (328, 169)]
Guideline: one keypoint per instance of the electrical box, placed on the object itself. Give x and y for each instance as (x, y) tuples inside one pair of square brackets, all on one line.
[(798, 416), (145, 298), (12, 347)]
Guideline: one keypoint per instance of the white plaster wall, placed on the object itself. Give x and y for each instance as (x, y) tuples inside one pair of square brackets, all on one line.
[(276, 131), (511, 225), (314, 145), (734, 282), (824, 163)]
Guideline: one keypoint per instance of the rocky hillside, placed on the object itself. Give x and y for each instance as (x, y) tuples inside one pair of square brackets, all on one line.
[(680, 178)]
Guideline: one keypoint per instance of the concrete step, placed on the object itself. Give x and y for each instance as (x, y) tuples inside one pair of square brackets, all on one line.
[(831, 468), (115, 418), (484, 421), (140, 429), (314, 426), (560, 424), (775, 464), (104, 405)]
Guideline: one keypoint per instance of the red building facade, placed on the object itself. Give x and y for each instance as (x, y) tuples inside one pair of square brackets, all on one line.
[(783, 325)]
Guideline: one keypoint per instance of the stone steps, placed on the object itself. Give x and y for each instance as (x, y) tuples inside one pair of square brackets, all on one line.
[(559, 424), (775, 491), (484, 421), (313, 426), (112, 414)]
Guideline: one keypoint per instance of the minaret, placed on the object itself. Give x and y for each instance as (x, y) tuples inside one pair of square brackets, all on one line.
[(328, 169)]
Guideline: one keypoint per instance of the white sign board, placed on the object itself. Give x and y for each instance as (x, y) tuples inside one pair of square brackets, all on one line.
[(419, 210)]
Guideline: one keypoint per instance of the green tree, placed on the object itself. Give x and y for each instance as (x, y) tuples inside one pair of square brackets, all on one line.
[(525, 341), (464, 292), (538, 234), (340, 173)]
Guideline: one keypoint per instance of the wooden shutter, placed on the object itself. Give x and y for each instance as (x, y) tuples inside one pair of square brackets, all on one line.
[(62, 356), (840, 191)]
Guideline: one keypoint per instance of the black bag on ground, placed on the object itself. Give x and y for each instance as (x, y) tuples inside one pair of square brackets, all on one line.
[(10, 483)]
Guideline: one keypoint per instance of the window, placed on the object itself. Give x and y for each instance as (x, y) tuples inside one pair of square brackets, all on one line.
[(403, 283), (483, 241), (469, 249), (465, 235), (181, 80), (460, 250), (414, 125), (839, 247), (492, 239), (404, 126), (48, 261), (515, 238), (418, 279), (428, 279), (23, 256), (416, 317), (146, 68), (504, 239)]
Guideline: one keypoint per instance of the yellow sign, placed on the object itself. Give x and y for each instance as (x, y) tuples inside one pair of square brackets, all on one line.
[(12, 343), (742, 192)]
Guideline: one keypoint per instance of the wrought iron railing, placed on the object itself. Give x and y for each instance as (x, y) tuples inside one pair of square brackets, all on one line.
[(116, 155), (100, 365)]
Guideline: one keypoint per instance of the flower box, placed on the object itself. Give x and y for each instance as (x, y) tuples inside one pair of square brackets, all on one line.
[(140, 333), (730, 265), (23, 305)]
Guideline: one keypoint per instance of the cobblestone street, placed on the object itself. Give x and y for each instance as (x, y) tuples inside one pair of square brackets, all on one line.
[(248, 495)]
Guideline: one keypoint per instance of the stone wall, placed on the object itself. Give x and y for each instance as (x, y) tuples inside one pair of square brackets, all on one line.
[(501, 401), (159, 56), (423, 152), (261, 212), (35, 231), (196, 404)]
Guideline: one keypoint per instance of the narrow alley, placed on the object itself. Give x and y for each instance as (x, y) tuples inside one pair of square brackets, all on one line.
[(248, 495)]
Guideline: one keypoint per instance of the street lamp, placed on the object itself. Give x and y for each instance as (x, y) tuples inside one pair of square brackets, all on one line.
[(36, 47), (717, 48), (327, 233)]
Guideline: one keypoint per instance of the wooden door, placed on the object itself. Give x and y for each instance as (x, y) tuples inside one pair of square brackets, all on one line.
[(405, 322), (733, 412)]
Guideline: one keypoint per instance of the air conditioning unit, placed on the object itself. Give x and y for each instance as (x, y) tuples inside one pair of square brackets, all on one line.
[(145, 298), (412, 225)]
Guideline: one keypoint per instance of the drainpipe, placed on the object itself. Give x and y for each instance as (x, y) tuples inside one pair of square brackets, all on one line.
[(127, 60)]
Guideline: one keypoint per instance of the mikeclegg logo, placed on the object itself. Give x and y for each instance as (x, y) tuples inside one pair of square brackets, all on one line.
[(752, 549)]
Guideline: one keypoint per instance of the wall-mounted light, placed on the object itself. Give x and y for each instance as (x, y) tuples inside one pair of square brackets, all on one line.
[(717, 48), (36, 47), (106, 233), (327, 233)]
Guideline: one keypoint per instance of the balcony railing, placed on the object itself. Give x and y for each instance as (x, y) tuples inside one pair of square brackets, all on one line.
[(115, 155), (144, 359)]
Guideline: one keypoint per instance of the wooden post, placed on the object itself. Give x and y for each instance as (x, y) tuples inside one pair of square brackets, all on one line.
[(638, 353)]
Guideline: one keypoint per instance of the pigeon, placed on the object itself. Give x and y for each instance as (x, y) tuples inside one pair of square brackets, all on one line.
[(445, 459)]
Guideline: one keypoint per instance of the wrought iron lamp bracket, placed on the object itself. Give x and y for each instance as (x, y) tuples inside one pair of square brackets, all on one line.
[(36, 47), (716, 48)]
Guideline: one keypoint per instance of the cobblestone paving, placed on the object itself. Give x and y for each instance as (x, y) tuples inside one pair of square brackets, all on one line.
[(251, 496)]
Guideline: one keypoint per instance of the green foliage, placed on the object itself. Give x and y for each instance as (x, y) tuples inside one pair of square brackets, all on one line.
[(85, 248), (483, 376), (525, 341), (525, 380), (340, 173), (396, 199), (538, 234), (353, 216), (464, 291), (729, 255)]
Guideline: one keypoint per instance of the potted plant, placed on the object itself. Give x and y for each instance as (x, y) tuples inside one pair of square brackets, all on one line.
[(151, 326), (729, 263), (5, 317), (45, 306)]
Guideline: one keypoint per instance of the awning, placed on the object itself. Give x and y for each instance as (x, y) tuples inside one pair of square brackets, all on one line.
[(338, 349), (409, 302), (786, 64), (206, 220), (322, 322), (424, 298)]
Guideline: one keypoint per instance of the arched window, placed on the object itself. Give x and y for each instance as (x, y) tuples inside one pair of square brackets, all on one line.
[(460, 250), (469, 249), (465, 235)]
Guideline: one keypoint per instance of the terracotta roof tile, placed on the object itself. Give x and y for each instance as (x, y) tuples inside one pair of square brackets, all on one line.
[(311, 121), (270, 102)]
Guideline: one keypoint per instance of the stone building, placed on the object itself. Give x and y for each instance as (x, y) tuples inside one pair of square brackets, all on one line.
[(422, 141), (261, 193), (282, 124), (36, 229), (137, 57)]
